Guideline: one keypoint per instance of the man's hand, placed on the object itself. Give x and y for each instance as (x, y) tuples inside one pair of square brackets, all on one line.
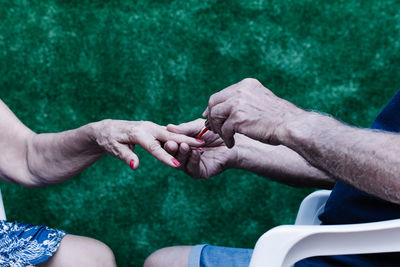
[(200, 163), (251, 109), (276, 162)]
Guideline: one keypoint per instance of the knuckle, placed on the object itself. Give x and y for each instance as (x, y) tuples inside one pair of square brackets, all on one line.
[(211, 101), (147, 123), (239, 114), (106, 121), (117, 153), (238, 101), (172, 137), (211, 114), (153, 147), (240, 90), (133, 133), (250, 82)]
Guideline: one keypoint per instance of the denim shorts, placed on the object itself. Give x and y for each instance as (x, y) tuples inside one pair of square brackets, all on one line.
[(213, 256)]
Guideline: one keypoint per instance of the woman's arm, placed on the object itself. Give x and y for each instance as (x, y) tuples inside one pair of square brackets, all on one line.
[(34, 159), (14, 138)]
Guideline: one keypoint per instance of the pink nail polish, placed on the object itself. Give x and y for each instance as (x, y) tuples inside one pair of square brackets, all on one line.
[(200, 140), (131, 164), (177, 163), (199, 149)]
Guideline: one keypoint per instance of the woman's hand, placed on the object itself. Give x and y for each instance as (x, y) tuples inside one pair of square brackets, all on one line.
[(118, 138), (212, 158)]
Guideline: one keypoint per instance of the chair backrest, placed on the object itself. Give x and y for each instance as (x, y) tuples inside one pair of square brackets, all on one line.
[(2, 211)]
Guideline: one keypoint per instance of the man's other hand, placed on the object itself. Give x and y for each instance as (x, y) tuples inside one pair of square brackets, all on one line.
[(202, 162)]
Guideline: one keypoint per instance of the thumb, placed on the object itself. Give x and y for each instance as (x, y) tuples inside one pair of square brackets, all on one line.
[(124, 153)]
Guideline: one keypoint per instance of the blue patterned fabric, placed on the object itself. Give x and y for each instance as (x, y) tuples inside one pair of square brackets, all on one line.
[(26, 244)]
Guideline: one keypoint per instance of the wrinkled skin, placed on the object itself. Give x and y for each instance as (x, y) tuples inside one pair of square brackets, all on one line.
[(251, 109), (204, 162)]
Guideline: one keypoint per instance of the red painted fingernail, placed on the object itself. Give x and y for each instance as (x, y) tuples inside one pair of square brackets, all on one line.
[(200, 140), (177, 163), (200, 148), (131, 164)]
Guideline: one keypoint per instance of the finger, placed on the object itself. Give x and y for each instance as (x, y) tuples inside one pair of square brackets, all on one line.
[(184, 148), (125, 154), (134, 163), (221, 96), (171, 147), (216, 99), (165, 136), (155, 149), (227, 132), (183, 154), (191, 128), (218, 116), (205, 113), (193, 164)]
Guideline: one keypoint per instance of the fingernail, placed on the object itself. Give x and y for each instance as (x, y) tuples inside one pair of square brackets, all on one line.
[(131, 164), (200, 140), (177, 163), (200, 149)]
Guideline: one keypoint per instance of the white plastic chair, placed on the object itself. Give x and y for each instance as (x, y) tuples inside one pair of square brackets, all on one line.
[(2, 211), (284, 245)]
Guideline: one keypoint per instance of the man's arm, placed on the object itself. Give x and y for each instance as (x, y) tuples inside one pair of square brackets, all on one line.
[(276, 162), (369, 160), (39, 159)]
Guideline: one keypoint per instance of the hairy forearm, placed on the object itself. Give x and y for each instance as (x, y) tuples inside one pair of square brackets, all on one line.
[(279, 163), (367, 159), (55, 157)]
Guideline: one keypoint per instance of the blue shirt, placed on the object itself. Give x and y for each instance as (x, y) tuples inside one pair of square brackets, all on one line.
[(348, 205)]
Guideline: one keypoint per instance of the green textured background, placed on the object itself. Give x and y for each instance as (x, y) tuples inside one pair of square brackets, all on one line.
[(67, 63)]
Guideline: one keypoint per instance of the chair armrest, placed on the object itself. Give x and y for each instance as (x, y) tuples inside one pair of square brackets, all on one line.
[(284, 245), (311, 207)]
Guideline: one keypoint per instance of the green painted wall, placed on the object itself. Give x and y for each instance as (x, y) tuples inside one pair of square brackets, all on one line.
[(67, 63)]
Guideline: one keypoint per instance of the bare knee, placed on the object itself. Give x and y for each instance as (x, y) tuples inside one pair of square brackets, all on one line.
[(81, 251), (103, 256), (169, 257)]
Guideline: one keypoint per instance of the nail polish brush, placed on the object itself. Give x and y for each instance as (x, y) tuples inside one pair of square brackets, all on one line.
[(206, 128)]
